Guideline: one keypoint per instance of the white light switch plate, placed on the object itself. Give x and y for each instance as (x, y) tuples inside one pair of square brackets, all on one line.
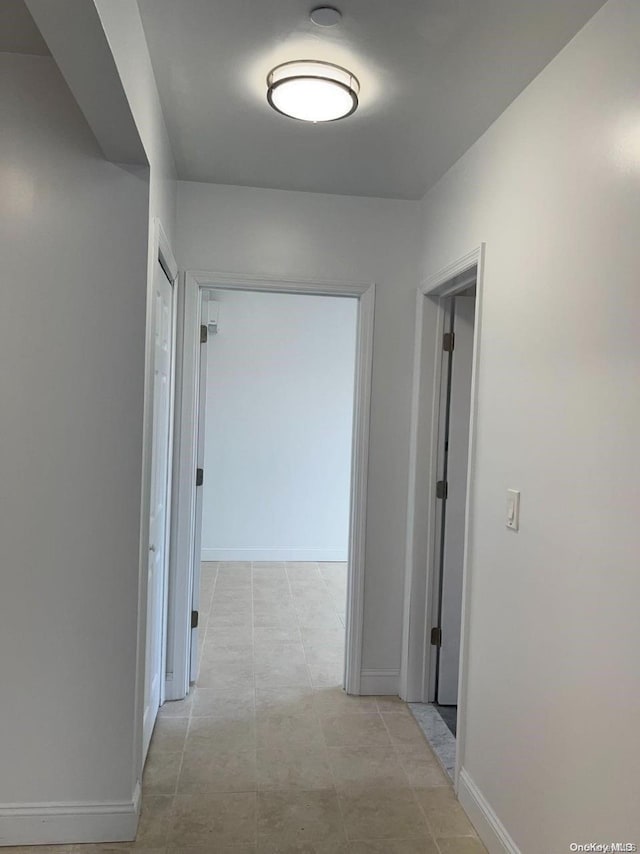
[(513, 509)]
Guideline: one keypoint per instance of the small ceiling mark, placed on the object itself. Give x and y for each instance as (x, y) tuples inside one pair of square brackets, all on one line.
[(326, 16)]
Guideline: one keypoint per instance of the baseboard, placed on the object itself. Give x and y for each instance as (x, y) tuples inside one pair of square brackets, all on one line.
[(379, 682), (298, 555), (489, 827), (69, 823)]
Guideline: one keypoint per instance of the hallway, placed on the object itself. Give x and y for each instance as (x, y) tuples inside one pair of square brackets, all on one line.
[(269, 751), (267, 755)]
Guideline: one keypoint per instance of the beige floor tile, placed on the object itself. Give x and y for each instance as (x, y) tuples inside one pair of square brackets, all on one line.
[(286, 818), (222, 770), (176, 708), (403, 729), (355, 730), (415, 749), (161, 773), (461, 845), (169, 734), (239, 620), (226, 582), (334, 700), (325, 676), (238, 655), (320, 637), (310, 590), (392, 705), (444, 814), (276, 634), (273, 617), (155, 821), (324, 655), (110, 848), (423, 771), (276, 730), (235, 635), (221, 734), (302, 848), (301, 768), (358, 768), (395, 846), (226, 675), (272, 652), (234, 704), (286, 700), (220, 849), (281, 672), (385, 813), (320, 614), (214, 819), (37, 849)]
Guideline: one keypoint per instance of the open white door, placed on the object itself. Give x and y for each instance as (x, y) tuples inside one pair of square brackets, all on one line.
[(197, 548), (163, 340), (457, 451)]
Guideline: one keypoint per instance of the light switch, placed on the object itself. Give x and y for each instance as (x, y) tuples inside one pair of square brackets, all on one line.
[(513, 509)]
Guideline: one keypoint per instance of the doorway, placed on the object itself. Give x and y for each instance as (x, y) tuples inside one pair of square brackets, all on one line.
[(163, 345), (274, 443), (433, 677), (209, 302)]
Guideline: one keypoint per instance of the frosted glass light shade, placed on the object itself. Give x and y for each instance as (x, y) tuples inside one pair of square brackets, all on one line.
[(313, 91)]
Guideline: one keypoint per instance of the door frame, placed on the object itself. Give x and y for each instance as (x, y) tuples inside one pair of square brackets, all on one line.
[(159, 253), (182, 555), (417, 672)]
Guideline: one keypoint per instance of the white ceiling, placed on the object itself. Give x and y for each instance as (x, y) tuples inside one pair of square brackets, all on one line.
[(434, 75), (18, 32)]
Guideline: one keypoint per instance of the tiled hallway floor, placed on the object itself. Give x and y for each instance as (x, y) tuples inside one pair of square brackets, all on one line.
[(267, 755)]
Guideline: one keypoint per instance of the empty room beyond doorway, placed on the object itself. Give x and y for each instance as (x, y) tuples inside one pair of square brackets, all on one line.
[(282, 623)]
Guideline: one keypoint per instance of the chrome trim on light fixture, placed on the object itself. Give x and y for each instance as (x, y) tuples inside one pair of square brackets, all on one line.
[(335, 75)]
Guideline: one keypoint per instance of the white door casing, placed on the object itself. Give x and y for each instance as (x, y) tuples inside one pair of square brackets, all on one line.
[(184, 527), (454, 529), (197, 548), (423, 534), (159, 505)]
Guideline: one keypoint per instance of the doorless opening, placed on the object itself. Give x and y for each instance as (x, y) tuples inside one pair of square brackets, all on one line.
[(223, 547), (275, 438)]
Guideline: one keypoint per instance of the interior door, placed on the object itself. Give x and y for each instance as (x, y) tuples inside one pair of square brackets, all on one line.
[(457, 451), (162, 320), (197, 548)]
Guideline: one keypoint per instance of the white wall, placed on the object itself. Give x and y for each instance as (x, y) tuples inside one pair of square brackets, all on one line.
[(336, 237), (123, 27), (82, 228), (74, 258), (553, 741), (278, 428)]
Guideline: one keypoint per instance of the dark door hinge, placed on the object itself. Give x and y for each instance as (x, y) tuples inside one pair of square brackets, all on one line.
[(448, 342), (442, 489), (194, 619), (436, 636), (199, 477), (203, 334)]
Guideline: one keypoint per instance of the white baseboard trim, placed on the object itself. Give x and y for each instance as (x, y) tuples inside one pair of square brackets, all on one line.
[(379, 681), (489, 827), (69, 823), (294, 554)]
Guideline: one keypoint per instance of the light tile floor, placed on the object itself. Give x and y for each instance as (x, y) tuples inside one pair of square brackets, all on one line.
[(267, 755)]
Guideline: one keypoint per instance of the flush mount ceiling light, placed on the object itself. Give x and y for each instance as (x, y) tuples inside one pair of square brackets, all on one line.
[(313, 91)]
